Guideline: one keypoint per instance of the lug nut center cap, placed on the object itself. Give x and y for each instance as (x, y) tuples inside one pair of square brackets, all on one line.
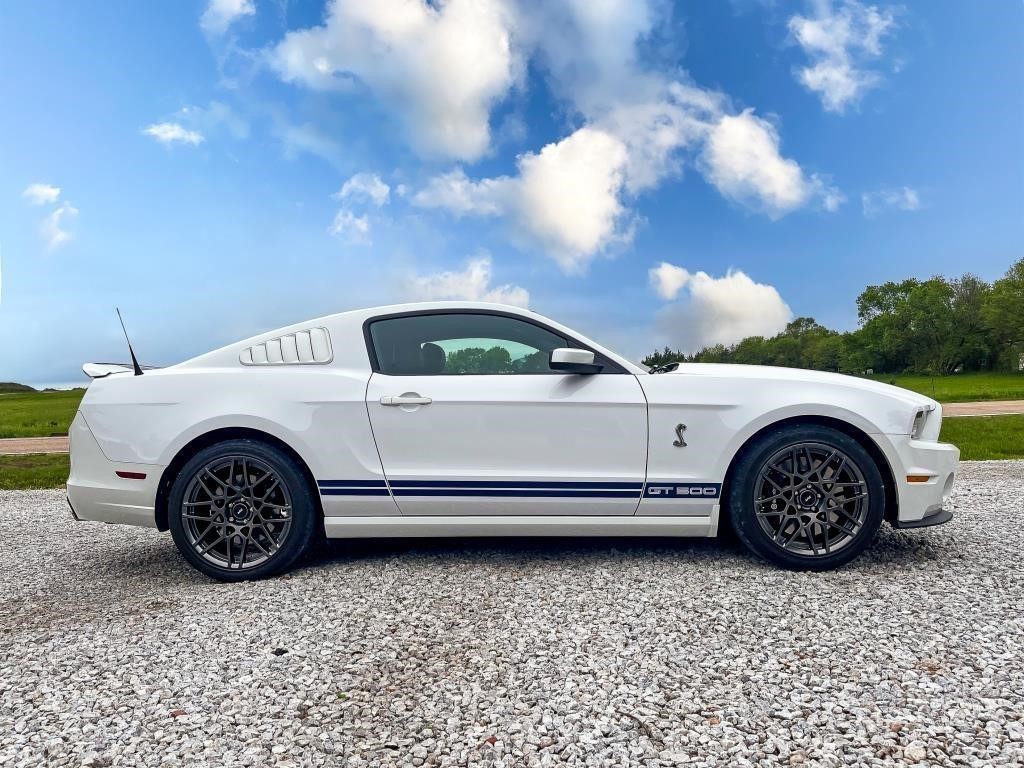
[(807, 498), (240, 511)]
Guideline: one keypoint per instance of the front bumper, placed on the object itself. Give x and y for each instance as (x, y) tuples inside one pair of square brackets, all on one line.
[(924, 503), (96, 492), (936, 518)]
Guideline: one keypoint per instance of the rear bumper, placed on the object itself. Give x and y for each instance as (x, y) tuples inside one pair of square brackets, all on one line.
[(96, 492)]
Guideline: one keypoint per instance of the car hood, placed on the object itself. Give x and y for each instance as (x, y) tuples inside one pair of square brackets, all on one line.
[(774, 373)]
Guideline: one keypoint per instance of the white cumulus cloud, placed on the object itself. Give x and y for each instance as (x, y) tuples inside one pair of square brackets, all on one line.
[(715, 310), (668, 279), (365, 187), (41, 194), (53, 227), (221, 14), (456, 192), (566, 197), (742, 160), (472, 283), (358, 192), (173, 133), (440, 67), (898, 199), (350, 228), (841, 41)]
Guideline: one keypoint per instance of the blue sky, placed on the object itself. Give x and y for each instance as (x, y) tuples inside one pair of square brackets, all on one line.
[(647, 172)]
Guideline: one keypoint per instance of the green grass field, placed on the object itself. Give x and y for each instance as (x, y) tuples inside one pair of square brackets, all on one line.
[(961, 387), (38, 414), (986, 437), (34, 470)]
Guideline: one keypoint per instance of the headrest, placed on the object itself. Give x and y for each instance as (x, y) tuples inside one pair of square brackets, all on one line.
[(407, 358), (434, 358)]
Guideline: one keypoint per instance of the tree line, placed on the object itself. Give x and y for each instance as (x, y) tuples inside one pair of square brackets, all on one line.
[(936, 326)]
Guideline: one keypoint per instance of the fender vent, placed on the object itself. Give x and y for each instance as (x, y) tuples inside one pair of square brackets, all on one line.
[(311, 346)]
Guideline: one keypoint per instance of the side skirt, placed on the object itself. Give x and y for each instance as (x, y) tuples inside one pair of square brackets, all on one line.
[(524, 525)]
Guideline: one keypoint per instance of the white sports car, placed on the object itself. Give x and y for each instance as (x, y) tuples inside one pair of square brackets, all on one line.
[(459, 418)]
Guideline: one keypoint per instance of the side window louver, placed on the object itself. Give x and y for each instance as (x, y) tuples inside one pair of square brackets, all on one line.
[(311, 346)]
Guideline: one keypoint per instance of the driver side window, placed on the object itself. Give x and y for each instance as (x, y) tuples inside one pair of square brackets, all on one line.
[(462, 344)]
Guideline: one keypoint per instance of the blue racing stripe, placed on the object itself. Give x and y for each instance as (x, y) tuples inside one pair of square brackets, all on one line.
[(523, 488), (558, 484), (354, 492), (351, 483), (530, 493)]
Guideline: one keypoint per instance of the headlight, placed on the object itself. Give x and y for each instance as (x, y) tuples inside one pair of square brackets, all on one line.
[(919, 421)]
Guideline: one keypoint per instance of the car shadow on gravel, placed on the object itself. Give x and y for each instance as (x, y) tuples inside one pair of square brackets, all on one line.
[(890, 546), (525, 548), (155, 567)]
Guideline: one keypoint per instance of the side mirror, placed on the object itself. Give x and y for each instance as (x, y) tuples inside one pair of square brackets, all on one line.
[(571, 360)]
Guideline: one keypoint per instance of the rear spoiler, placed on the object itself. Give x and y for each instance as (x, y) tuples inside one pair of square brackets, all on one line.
[(100, 370)]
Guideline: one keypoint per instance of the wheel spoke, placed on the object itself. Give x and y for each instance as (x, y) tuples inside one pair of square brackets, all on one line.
[(809, 530), (203, 518), (212, 544), (256, 542), (273, 486), (245, 550)]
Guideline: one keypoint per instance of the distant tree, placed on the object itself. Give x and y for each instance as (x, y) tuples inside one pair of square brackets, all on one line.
[(664, 357), (882, 312), (972, 337), (719, 353), (753, 350), (532, 363), (1003, 312), (478, 360)]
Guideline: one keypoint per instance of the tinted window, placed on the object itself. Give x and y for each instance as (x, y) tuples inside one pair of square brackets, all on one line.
[(455, 344)]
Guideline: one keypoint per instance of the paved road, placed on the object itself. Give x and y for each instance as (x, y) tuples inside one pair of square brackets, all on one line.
[(18, 445), (989, 408), (21, 445)]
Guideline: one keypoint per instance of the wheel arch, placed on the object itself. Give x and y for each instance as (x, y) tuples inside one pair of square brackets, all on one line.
[(853, 431), (213, 437)]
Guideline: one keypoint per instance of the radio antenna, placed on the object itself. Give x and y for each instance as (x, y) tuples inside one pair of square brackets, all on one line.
[(135, 361)]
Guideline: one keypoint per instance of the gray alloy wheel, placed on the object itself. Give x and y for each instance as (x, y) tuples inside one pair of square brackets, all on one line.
[(806, 497), (811, 498), (240, 510), (237, 512)]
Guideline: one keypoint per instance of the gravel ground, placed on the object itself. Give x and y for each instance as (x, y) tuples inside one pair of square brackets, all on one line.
[(114, 652)]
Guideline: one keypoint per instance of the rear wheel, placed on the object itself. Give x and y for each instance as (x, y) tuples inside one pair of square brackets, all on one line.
[(241, 510), (807, 497)]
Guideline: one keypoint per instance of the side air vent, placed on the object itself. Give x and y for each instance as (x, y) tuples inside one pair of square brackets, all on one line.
[(311, 346)]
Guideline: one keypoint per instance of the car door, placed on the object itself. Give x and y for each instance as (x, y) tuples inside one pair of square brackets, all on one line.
[(469, 419)]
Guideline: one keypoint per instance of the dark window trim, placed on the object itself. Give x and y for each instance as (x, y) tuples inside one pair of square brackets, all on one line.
[(610, 366)]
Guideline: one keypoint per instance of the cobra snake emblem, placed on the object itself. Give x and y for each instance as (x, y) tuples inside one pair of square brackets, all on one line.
[(680, 442)]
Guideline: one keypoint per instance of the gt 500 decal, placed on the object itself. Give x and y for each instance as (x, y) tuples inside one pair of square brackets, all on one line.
[(683, 491)]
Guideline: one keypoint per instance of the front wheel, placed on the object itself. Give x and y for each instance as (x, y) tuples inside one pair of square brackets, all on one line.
[(807, 497), (241, 510)]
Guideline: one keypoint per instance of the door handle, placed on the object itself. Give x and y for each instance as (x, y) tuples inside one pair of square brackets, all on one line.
[(409, 399)]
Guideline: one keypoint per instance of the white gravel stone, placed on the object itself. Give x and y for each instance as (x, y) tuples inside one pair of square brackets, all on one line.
[(113, 652)]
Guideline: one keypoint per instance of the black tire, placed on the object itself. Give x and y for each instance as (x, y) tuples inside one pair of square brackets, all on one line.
[(242, 459), (836, 513)]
